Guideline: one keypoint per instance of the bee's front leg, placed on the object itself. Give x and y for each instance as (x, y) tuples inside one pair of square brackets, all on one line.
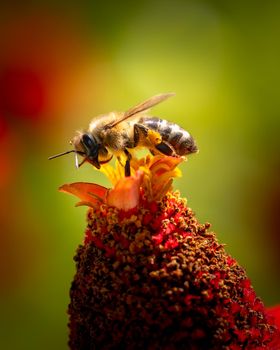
[(127, 163)]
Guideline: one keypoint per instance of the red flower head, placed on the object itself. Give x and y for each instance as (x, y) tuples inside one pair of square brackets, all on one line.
[(150, 276)]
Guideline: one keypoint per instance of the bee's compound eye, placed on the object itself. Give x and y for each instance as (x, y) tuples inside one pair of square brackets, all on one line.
[(88, 141), (90, 145)]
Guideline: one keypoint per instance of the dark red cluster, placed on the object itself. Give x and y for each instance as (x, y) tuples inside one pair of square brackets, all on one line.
[(154, 278)]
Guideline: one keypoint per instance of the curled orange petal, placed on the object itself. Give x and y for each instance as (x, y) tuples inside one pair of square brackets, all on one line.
[(159, 172), (90, 194), (165, 164), (126, 193)]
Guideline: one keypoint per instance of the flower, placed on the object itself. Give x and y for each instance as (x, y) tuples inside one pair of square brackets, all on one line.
[(150, 276)]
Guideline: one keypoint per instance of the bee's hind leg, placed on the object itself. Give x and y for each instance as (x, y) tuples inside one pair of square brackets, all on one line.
[(127, 163), (166, 149)]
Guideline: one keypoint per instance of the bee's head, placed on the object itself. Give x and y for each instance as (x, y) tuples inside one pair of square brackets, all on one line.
[(87, 144)]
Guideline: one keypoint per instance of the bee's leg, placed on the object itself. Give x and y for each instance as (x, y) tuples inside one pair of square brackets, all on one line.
[(155, 139), (138, 131), (106, 160), (166, 148), (127, 163)]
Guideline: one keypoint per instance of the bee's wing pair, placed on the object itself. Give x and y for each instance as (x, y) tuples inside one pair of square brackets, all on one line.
[(141, 107)]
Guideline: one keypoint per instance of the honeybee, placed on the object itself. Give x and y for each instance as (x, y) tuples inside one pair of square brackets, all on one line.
[(119, 133)]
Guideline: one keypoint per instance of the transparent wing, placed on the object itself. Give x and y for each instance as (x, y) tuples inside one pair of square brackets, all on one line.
[(141, 107)]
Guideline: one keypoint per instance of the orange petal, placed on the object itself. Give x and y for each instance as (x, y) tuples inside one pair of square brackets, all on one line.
[(125, 195), (164, 164), (88, 193)]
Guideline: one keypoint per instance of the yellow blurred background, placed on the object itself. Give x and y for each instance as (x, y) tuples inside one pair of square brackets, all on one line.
[(60, 65)]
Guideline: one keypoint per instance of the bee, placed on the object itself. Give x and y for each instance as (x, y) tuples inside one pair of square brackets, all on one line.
[(118, 134)]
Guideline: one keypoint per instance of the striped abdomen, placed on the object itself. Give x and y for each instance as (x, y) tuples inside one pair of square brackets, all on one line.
[(172, 134)]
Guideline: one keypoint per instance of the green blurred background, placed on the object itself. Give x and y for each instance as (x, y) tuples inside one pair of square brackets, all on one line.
[(60, 65)]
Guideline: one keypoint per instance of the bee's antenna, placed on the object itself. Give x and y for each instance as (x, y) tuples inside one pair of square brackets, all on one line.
[(61, 154)]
